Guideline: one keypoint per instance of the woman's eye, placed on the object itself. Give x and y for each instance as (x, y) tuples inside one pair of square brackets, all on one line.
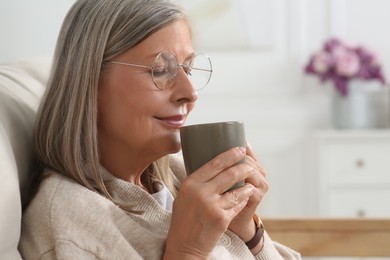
[(160, 71)]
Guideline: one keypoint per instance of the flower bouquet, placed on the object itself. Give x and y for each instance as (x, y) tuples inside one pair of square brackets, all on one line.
[(340, 62)]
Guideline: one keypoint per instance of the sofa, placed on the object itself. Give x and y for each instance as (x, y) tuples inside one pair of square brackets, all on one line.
[(21, 87)]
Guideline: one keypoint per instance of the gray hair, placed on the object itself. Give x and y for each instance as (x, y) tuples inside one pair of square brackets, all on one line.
[(93, 32)]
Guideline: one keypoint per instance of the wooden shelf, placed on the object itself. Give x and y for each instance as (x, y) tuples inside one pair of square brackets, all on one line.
[(333, 237)]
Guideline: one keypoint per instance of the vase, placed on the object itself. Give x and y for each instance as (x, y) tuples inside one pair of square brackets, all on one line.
[(365, 106)]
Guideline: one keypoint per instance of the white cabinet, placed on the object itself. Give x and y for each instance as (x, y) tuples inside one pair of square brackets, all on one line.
[(350, 202), (350, 174), (353, 170)]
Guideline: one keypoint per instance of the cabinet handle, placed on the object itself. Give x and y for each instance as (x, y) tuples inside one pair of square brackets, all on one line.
[(361, 213), (360, 163)]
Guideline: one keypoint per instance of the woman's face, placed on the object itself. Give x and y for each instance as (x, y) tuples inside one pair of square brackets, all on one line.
[(137, 120)]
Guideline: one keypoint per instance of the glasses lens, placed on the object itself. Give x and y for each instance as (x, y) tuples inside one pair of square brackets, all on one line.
[(201, 71), (165, 66), (164, 70)]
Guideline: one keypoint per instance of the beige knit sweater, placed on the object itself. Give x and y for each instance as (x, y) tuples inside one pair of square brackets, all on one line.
[(68, 221)]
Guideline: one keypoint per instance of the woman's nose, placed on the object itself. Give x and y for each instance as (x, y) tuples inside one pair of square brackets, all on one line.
[(183, 89)]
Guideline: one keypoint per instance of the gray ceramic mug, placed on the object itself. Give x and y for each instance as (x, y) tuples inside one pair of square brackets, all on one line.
[(201, 143)]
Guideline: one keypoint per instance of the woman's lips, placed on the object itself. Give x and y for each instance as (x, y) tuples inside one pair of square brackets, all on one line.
[(176, 121)]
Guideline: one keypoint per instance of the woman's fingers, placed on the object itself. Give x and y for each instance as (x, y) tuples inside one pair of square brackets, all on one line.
[(249, 151), (218, 164), (229, 177), (252, 161), (258, 180), (234, 211), (235, 197)]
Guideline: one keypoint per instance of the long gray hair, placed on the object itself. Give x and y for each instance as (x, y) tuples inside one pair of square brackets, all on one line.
[(93, 32)]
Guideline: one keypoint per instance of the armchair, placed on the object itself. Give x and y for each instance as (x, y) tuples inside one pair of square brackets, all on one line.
[(21, 87)]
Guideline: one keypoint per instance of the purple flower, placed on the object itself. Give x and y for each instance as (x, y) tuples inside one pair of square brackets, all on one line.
[(321, 62), (330, 44), (347, 63), (340, 62)]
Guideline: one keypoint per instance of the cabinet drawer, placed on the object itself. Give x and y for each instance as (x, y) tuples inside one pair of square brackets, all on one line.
[(359, 203), (357, 162)]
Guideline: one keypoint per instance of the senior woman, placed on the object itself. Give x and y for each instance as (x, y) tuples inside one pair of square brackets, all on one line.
[(124, 79)]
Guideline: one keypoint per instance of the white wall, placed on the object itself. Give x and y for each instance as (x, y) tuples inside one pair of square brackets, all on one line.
[(282, 107), (264, 86), (29, 29)]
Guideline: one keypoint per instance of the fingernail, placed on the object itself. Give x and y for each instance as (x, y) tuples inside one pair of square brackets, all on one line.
[(252, 189), (242, 150)]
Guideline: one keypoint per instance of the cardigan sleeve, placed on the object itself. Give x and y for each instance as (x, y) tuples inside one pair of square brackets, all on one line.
[(65, 249), (274, 251), (68, 250)]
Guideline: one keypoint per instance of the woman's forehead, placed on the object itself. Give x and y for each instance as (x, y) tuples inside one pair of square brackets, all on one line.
[(175, 38)]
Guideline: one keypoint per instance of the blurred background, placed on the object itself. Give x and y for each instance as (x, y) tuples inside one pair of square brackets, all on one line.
[(259, 50)]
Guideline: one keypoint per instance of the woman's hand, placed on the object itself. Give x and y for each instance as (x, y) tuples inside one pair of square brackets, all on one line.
[(203, 211), (243, 225)]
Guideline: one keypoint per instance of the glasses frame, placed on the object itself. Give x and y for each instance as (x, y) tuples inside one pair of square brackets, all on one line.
[(183, 66)]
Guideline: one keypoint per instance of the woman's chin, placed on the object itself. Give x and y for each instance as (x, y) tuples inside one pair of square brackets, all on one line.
[(176, 145), (176, 148)]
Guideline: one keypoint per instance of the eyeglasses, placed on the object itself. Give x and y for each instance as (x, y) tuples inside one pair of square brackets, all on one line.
[(164, 70)]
